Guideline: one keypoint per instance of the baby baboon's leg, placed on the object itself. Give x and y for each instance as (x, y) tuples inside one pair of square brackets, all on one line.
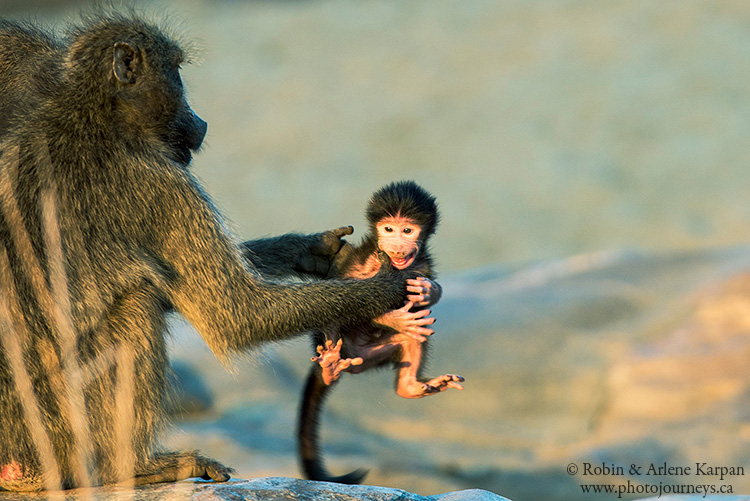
[(374, 354), (174, 466), (363, 357), (408, 386)]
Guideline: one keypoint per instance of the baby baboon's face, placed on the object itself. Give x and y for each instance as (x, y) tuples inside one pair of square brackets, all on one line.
[(399, 237)]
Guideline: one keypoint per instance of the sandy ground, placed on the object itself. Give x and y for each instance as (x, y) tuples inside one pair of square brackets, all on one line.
[(590, 161)]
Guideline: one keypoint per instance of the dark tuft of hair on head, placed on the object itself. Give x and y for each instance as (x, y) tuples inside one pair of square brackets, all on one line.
[(406, 199)]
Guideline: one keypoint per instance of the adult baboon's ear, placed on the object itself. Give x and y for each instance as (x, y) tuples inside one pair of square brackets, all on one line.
[(127, 62)]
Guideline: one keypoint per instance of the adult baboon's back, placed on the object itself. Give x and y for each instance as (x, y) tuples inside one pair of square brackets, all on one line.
[(29, 69), (103, 230)]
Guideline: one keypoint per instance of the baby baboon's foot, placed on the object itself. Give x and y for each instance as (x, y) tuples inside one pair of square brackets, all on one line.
[(442, 383), (331, 363), (174, 466), (417, 389)]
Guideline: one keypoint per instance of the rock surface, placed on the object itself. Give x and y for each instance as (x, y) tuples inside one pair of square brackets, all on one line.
[(260, 489), (698, 498)]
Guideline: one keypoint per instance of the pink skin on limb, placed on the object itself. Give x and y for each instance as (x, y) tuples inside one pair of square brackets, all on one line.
[(11, 472)]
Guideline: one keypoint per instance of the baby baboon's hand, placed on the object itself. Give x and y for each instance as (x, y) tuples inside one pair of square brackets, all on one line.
[(412, 324), (424, 292)]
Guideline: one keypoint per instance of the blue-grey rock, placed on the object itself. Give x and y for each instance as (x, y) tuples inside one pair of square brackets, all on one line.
[(698, 498), (259, 489)]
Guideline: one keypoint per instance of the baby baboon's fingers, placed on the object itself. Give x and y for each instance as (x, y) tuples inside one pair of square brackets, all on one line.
[(416, 337)]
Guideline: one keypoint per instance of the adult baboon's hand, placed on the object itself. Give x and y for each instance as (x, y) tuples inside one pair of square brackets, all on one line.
[(323, 251)]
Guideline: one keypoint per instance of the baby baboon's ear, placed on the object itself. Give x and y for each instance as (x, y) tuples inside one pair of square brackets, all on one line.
[(127, 62)]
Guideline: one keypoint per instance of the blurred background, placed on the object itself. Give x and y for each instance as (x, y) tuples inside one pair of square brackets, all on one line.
[(590, 160)]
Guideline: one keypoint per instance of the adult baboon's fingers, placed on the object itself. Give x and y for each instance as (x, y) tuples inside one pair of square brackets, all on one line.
[(215, 472), (343, 231), (385, 262), (307, 264), (330, 241), (220, 475), (322, 266)]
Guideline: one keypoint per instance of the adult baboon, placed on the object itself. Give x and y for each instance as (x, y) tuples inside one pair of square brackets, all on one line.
[(103, 229), (31, 68)]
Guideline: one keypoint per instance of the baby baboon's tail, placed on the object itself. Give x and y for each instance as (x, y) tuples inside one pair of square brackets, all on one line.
[(310, 457)]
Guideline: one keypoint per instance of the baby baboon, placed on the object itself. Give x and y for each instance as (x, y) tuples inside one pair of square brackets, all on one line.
[(402, 216), (103, 230)]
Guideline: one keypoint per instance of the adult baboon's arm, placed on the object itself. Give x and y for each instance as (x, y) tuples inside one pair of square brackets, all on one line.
[(295, 254), (232, 307)]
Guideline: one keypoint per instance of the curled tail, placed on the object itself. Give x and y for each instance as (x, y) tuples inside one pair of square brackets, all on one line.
[(310, 457)]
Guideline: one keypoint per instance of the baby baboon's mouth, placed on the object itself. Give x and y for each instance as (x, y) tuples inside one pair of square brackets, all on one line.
[(403, 262)]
